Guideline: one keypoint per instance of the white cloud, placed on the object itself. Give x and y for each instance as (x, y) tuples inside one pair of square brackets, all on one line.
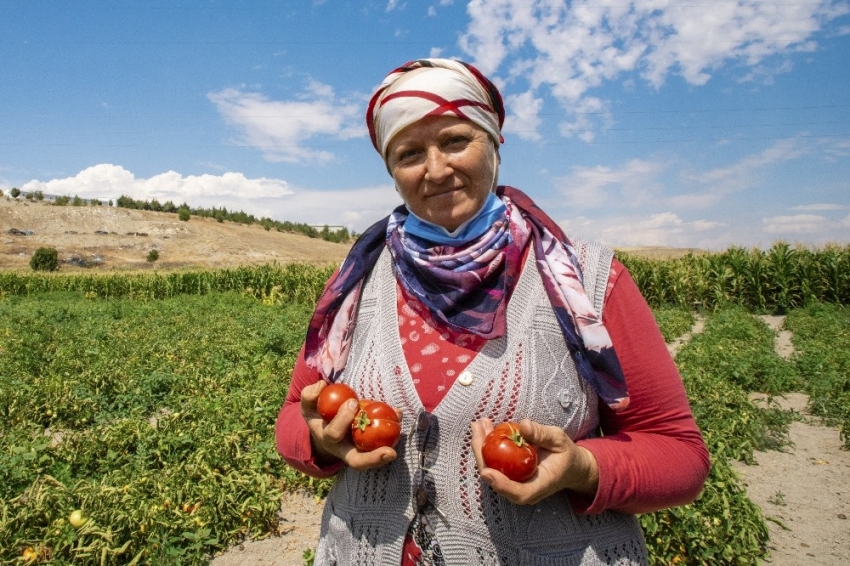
[(572, 47), (522, 116), (796, 224), (744, 174), (290, 130), (633, 184), (355, 208), (822, 207), (111, 181), (664, 229)]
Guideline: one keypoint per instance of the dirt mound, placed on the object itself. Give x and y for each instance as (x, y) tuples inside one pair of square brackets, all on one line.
[(107, 238)]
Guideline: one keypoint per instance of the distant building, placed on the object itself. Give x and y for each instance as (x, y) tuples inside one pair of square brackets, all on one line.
[(331, 227)]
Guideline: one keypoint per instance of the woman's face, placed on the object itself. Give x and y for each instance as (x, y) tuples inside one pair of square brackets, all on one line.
[(444, 167)]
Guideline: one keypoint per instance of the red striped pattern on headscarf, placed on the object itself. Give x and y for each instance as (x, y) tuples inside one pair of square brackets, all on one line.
[(433, 87)]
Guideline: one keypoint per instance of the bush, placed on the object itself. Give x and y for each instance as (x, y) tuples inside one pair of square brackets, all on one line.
[(62, 200), (45, 259), (153, 255), (15, 192), (183, 214)]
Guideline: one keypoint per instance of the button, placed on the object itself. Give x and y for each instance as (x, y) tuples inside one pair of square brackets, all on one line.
[(466, 378), (565, 398)]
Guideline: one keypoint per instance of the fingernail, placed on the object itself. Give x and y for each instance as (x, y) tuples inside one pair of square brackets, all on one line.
[(386, 458), (351, 403)]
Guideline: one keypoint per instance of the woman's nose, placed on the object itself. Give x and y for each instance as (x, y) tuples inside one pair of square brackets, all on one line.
[(437, 166)]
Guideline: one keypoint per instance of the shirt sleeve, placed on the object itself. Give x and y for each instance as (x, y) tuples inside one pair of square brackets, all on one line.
[(651, 455), (291, 433)]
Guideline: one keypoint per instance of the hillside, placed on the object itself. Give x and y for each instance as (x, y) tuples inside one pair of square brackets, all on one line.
[(110, 238)]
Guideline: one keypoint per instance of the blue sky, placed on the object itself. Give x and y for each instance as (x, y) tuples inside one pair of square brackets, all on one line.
[(691, 123)]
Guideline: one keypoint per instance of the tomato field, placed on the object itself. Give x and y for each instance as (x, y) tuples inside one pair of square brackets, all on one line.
[(138, 410)]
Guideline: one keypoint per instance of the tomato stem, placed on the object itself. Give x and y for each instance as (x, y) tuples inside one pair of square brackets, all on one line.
[(517, 437), (361, 421)]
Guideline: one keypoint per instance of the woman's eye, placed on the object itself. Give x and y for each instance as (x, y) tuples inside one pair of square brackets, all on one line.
[(407, 154), (457, 142)]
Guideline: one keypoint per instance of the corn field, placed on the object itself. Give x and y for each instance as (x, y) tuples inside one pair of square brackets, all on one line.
[(296, 282), (772, 281), (775, 280)]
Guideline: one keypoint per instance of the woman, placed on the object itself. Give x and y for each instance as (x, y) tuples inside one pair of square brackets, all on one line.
[(467, 307)]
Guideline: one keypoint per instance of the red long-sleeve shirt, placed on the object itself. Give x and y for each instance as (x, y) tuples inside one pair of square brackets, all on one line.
[(651, 455)]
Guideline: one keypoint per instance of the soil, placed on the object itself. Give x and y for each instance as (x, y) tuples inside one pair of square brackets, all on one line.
[(804, 491)]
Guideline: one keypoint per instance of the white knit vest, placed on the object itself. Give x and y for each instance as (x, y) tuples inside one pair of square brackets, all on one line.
[(526, 373)]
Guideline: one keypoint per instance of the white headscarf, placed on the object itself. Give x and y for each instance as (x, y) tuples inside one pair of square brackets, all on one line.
[(433, 87)]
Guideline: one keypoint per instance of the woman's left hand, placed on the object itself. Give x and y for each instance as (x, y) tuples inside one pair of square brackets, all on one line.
[(562, 464)]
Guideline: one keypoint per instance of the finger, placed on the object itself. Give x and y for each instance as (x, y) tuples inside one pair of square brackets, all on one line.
[(339, 427), (310, 396), (515, 492), (550, 438), (369, 460), (480, 429)]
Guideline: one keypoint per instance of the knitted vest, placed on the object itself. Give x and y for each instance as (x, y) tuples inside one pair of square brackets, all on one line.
[(526, 373)]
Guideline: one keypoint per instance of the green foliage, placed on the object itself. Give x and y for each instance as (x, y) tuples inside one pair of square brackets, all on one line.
[(61, 200), (183, 213), (15, 192), (77, 201), (45, 259), (673, 321), (733, 356), (296, 282), (153, 255), (155, 418), (821, 336), (738, 348), (772, 281), (722, 527)]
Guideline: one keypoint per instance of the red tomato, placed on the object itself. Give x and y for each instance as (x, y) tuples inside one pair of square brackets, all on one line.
[(507, 451), (331, 399), (376, 425)]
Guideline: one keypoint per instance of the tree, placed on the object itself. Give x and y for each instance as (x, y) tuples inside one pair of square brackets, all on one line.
[(15, 192), (45, 259), (183, 213)]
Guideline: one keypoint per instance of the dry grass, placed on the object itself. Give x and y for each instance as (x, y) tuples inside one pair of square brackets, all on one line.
[(120, 239)]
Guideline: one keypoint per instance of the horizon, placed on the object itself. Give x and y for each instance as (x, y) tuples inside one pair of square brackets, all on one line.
[(627, 123)]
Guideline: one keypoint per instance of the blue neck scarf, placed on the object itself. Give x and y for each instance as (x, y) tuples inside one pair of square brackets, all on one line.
[(493, 210)]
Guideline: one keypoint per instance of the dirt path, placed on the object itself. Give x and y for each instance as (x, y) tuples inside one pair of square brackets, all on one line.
[(804, 493), (300, 516)]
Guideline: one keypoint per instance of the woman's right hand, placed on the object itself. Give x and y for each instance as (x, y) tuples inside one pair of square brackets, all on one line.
[(332, 440)]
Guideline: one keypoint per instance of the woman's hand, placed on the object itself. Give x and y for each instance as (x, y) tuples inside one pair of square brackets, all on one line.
[(562, 464), (331, 440)]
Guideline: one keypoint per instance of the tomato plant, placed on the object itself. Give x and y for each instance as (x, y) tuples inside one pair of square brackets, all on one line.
[(507, 451), (376, 425), (331, 399)]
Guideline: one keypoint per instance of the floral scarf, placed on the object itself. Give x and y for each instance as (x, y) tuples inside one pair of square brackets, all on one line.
[(467, 288)]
